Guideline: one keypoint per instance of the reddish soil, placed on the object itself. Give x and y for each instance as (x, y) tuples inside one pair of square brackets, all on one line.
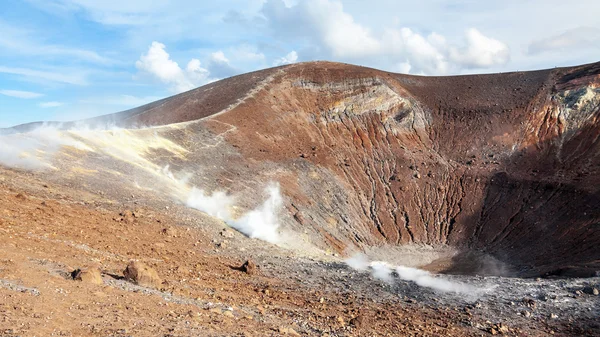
[(47, 234), (503, 166)]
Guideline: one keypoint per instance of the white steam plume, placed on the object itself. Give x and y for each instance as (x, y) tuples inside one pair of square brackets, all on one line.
[(33, 150), (384, 271), (381, 271), (426, 279), (358, 262), (217, 204), (261, 222)]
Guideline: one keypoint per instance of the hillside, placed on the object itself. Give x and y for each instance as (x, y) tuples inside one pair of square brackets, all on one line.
[(493, 175)]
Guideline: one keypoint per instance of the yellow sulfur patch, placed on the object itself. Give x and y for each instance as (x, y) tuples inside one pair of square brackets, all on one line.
[(83, 171)]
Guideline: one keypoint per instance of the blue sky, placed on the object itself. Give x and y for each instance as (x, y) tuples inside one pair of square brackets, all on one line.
[(72, 59)]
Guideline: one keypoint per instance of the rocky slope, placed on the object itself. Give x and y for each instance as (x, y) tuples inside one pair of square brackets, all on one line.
[(485, 174), (503, 165)]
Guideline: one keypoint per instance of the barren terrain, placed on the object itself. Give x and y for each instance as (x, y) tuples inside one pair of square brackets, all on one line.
[(490, 180)]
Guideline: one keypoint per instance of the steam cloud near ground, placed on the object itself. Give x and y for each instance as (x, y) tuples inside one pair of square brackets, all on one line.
[(386, 272), (261, 222), (35, 149)]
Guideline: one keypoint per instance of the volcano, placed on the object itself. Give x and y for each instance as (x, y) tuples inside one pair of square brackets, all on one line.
[(495, 174), (505, 165)]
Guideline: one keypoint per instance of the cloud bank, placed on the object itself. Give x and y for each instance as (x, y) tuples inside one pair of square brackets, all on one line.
[(157, 63), (581, 37), (329, 32)]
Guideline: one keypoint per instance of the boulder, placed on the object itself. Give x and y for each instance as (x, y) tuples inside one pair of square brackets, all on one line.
[(249, 267), (590, 290), (88, 275), (141, 274)]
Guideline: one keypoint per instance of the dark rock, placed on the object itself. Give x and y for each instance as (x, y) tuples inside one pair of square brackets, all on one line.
[(249, 267)]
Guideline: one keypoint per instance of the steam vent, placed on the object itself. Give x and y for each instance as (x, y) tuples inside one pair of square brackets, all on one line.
[(502, 166)]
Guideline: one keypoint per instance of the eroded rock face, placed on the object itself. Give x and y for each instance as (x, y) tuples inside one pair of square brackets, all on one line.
[(504, 164)]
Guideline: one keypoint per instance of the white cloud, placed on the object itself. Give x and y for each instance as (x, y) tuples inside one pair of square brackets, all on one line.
[(21, 94), (219, 56), (246, 53), (291, 57), (422, 54), (480, 51), (348, 31), (219, 65), (338, 31), (402, 67), (324, 23), (51, 104), (329, 32), (76, 78), (157, 63), (581, 37)]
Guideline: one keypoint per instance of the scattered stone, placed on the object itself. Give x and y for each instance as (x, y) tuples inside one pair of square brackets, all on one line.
[(590, 291), (169, 231), (358, 321), (249, 267), (141, 274), (529, 302), (526, 313), (227, 233), (21, 196), (553, 316), (288, 331), (498, 329), (88, 275), (126, 216)]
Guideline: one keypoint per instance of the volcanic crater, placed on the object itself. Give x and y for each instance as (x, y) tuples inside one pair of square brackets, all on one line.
[(494, 174), (502, 167)]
